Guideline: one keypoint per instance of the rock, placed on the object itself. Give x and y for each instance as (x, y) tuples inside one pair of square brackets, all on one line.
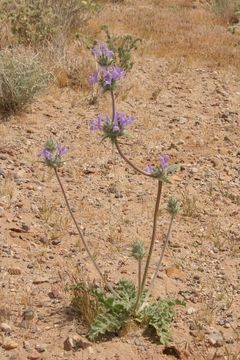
[(191, 311), (40, 347), (9, 344), (40, 281), (215, 338), (27, 346), (5, 328), (75, 342), (55, 294), (174, 273), (1, 212), (34, 356), (118, 195), (14, 271), (56, 241), (44, 240), (28, 314)]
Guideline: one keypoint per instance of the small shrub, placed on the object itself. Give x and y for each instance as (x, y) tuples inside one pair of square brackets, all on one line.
[(39, 21), (21, 77)]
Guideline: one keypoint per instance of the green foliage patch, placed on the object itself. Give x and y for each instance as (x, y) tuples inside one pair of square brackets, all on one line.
[(122, 47), (111, 311)]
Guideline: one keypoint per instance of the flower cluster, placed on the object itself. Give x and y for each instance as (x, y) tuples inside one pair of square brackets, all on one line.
[(111, 128), (106, 75), (162, 171), (103, 55), (52, 154)]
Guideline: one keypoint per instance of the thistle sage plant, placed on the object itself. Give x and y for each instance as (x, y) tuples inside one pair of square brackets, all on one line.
[(125, 302), (114, 127)]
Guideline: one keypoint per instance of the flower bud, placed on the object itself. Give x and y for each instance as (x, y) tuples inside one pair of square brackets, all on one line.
[(173, 206), (138, 250)]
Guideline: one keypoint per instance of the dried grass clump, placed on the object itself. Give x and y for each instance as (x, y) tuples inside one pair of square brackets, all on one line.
[(21, 77), (33, 22), (177, 29)]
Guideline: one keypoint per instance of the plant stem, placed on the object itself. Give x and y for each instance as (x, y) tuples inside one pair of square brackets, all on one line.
[(117, 143), (129, 162), (113, 105), (159, 192), (139, 284), (80, 232), (162, 253)]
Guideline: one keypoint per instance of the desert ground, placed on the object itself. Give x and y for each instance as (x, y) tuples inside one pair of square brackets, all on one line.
[(183, 93)]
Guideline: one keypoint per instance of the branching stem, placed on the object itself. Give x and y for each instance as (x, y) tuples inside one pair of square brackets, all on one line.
[(139, 284), (129, 161), (113, 105), (159, 193), (80, 232), (162, 253)]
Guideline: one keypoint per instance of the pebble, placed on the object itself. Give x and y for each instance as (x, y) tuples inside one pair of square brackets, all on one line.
[(2, 212), (75, 342), (5, 328), (191, 311), (34, 356), (215, 338), (9, 345), (40, 348), (27, 346), (56, 241), (40, 281), (28, 314)]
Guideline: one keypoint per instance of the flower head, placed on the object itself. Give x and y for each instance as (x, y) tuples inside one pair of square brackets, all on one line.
[(103, 54), (163, 170), (52, 154), (164, 161), (107, 76), (93, 78), (110, 128)]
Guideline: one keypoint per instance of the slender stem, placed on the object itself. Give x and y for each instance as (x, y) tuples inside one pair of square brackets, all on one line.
[(117, 144), (159, 192), (162, 253), (139, 284), (79, 230), (113, 105), (129, 161)]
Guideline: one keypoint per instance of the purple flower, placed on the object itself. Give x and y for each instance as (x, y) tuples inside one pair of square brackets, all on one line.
[(164, 161), (121, 120), (112, 74), (106, 76), (117, 72), (115, 128), (149, 169), (102, 51), (94, 78), (46, 154), (96, 124), (52, 154), (62, 150), (161, 169), (110, 128)]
